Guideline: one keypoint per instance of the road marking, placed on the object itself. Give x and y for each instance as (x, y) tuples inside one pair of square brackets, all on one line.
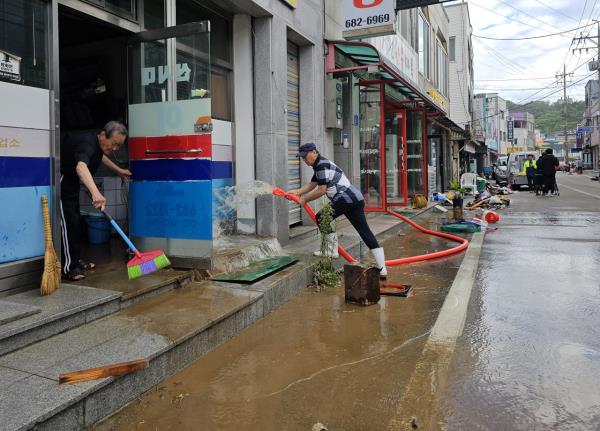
[(580, 191)]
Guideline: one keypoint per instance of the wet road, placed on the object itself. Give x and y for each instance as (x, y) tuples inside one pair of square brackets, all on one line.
[(529, 357), (316, 359)]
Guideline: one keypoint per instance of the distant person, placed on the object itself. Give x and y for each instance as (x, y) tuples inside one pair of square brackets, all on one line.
[(330, 180), (530, 168), (81, 155), (547, 164)]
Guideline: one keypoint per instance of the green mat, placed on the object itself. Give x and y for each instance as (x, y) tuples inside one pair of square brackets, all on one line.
[(257, 270), (458, 227)]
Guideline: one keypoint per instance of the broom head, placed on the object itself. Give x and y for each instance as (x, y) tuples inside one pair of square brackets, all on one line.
[(147, 263), (50, 277)]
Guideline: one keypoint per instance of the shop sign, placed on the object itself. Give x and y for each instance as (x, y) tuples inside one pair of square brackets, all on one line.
[(437, 97), (400, 53), (515, 149), (160, 74), (10, 66), (510, 130), (290, 3), (366, 18)]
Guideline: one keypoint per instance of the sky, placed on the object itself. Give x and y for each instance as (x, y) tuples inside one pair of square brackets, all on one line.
[(519, 70)]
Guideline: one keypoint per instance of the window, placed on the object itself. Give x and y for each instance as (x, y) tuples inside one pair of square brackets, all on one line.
[(442, 69), (502, 115), (452, 49), (23, 42), (423, 46), (408, 26), (220, 52), (124, 8)]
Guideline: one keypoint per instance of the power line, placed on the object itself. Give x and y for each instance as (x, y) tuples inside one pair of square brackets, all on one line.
[(532, 37), (522, 79), (528, 14), (507, 62), (549, 85), (508, 18), (556, 10), (521, 106), (497, 90)]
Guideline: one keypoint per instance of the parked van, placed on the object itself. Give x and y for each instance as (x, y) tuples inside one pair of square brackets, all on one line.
[(501, 171), (516, 171)]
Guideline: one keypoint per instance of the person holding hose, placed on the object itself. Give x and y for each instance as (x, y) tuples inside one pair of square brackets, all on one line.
[(330, 180)]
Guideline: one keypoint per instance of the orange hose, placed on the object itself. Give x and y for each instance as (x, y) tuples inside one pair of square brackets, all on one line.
[(463, 242)]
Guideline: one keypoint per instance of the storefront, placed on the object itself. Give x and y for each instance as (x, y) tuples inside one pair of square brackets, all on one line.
[(391, 117), (166, 69)]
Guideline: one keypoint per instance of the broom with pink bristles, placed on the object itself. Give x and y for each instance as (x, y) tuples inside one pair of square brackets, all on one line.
[(142, 263)]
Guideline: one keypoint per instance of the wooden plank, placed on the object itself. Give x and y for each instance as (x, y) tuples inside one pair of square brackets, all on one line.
[(117, 369)]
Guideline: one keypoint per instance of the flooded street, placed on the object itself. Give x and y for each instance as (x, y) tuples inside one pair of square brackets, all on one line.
[(316, 359), (529, 358)]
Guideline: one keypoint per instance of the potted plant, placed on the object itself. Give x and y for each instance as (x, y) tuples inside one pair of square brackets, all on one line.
[(457, 200)]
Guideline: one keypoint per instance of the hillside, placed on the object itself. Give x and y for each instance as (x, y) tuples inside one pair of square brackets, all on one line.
[(549, 117)]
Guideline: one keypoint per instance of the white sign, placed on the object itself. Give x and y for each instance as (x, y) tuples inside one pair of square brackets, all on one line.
[(400, 53), (10, 66), (368, 17)]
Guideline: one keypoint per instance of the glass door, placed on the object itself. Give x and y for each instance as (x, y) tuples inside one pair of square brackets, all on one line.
[(170, 142), (415, 152), (371, 160), (395, 158)]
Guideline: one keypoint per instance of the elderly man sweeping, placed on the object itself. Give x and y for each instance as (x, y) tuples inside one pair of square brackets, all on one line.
[(345, 199)]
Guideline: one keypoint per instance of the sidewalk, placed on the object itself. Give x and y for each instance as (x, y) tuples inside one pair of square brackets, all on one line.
[(171, 325)]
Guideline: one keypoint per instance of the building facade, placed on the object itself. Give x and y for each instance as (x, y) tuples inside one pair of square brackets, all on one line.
[(461, 84), (591, 135), (524, 132), (213, 93)]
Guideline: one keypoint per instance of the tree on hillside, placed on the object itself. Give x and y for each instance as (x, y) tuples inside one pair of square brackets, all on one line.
[(549, 117)]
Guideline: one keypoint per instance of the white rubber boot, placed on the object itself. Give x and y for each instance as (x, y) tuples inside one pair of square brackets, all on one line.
[(380, 261), (331, 247)]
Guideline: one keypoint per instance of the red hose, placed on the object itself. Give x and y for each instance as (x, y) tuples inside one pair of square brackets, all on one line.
[(464, 243)]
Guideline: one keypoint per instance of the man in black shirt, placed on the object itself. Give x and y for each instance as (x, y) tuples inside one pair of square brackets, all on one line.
[(81, 155), (547, 165)]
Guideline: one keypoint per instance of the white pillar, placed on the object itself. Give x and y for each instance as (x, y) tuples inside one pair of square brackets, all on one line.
[(243, 108)]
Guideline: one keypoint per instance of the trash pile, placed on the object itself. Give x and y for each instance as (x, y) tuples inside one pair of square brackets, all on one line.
[(488, 200)]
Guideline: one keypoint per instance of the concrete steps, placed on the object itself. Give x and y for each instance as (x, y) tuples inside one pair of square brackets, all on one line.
[(66, 308), (171, 329), (75, 304)]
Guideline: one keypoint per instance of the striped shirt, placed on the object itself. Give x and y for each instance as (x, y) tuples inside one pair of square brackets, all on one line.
[(330, 175)]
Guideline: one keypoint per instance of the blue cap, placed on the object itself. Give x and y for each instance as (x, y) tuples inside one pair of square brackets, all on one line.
[(305, 149)]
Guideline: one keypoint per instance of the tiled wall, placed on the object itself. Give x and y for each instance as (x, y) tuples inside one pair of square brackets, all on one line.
[(116, 194)]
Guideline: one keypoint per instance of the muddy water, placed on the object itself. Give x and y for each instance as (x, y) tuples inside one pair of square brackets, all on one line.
[(316, 359)]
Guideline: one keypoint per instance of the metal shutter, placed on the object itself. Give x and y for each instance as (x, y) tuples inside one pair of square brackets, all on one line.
[(293, 123)]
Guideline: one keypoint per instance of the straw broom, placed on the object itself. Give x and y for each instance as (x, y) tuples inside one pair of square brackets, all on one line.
[(51, 275)]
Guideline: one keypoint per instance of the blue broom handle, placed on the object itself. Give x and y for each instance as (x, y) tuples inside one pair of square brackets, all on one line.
[(120, 232)]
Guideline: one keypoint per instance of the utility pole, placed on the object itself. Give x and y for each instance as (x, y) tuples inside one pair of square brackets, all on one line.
[(595, 63), (563, 76)]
